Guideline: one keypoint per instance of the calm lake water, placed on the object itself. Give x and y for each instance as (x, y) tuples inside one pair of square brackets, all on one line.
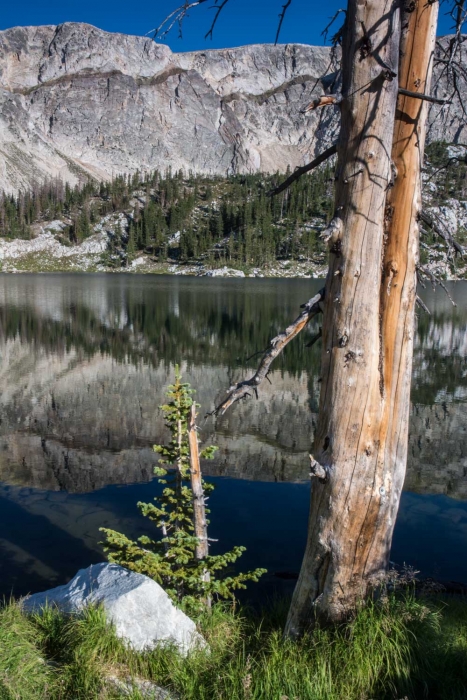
[(85, 361)]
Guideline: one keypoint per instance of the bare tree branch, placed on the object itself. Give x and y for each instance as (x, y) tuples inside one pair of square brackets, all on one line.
[(452, 58), (336, 38), (285, 7), (422, 305), (328, 153), (421, 96), (442, 233), (453, 159), (179, 15), (242, 389), (435, 280), (218, 9)]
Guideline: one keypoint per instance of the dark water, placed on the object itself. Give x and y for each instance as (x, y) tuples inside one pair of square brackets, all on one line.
[(85, 360)]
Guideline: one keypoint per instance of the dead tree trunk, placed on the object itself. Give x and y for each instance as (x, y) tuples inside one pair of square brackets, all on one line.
[(199, 508), (368, 324), (347, 536), (399, 287)]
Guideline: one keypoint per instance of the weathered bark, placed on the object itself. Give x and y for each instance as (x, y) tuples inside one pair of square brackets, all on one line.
[(199, 508), (399, 288), (362, 435), (347, 536)]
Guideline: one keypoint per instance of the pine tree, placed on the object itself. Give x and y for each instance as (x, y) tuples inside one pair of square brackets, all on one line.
[(172, 559)]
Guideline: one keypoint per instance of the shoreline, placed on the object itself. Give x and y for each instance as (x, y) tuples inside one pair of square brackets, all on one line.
[(44, 262)]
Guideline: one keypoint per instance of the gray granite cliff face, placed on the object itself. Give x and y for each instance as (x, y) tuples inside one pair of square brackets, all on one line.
[(77, 101)]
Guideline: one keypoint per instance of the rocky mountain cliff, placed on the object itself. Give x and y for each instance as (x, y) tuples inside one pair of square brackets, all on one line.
[(77, 101)]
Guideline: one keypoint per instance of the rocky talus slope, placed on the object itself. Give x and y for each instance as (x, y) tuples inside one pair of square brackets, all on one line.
[(77, 101)]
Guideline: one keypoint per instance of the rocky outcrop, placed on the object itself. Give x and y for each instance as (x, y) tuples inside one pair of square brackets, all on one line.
[(77, 101), (140, 610)]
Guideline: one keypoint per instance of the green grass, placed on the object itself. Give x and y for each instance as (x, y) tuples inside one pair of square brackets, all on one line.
[(404, 647), (43, 262)]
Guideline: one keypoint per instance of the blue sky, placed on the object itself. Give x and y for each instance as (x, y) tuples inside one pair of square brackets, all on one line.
[(242, 21)]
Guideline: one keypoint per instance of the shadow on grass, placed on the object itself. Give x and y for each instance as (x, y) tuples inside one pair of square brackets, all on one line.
[(403, 647)]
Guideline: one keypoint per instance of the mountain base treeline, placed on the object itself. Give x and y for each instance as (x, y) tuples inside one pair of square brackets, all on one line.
[(190, 219)]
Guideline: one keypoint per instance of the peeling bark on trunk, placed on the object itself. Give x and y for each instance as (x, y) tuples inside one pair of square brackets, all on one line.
[(368, 326)]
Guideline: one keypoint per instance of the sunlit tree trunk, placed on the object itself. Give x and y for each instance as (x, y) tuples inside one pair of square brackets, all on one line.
[(361, 438), (200, 522)]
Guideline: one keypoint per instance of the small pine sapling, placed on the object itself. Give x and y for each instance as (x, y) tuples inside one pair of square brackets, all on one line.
[(179, 560)]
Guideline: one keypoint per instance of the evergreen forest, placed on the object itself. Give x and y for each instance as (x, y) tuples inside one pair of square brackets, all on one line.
[(180, 218)]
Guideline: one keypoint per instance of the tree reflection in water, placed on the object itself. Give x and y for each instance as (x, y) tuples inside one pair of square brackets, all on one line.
[(85, 363)]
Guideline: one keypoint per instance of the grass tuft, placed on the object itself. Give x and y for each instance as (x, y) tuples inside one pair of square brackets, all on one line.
[(399, 647), (24, 672)]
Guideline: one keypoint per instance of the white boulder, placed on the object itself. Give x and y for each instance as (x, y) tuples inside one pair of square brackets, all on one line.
[(141, 611)]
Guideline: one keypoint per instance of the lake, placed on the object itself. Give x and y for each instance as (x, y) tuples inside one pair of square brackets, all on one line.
[(85, 362)]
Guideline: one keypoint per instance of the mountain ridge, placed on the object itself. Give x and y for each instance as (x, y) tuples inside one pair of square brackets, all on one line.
[(78, 102)]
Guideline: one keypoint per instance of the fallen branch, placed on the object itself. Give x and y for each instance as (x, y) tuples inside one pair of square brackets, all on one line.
[(421, 96), (328, 153), (242, 389)]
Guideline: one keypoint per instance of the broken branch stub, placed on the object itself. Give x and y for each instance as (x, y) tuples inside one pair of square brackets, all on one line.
[(317, 469), (421, 96), (323, 101), (242, 389), (333, 232)]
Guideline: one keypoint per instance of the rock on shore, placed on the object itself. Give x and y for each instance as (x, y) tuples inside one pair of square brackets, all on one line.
[(142, 612)]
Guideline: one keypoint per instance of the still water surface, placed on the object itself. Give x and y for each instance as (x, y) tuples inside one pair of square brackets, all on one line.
[(85, 360)]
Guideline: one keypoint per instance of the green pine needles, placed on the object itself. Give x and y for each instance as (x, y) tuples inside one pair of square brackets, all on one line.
[(179, 559)]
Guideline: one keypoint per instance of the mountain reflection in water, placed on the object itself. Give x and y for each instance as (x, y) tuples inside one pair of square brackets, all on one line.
[(85, 362)]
